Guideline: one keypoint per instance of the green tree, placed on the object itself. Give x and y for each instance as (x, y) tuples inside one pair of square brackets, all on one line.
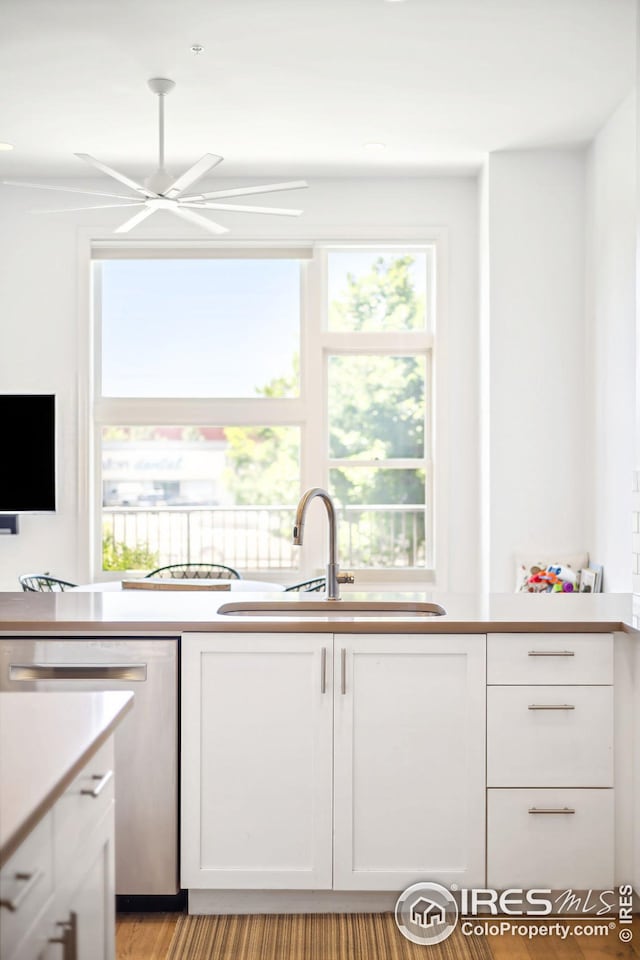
[(263, 464), (383, 299), (118, 556)]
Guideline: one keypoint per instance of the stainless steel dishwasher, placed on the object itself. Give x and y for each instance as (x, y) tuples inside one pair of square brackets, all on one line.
[(146, 744)]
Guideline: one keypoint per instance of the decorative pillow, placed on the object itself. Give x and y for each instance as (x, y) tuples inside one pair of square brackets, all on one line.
[(528, 566)]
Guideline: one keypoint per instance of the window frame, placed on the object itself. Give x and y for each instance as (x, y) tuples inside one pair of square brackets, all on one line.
[(306, 412)]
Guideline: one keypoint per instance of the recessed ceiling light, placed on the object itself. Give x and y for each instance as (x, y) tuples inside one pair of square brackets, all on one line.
[(375, 146), (6, 146), (196, 48)]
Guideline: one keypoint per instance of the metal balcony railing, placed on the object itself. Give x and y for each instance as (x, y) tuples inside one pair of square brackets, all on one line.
[(259, 538)]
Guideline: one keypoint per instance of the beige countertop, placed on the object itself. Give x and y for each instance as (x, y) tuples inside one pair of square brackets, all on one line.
[(136, 612), (45, 740)]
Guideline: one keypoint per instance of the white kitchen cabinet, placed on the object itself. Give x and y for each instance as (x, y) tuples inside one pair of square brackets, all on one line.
[(92, 903), (58, 889), (84, 857), (257, 722), (549, 736), (551, 839), (84, 831), (264, 720), (409, 761), (26, 894), (550, 658), (550, 753)]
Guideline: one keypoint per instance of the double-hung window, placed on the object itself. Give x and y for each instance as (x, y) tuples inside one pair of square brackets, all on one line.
[(229, 379)]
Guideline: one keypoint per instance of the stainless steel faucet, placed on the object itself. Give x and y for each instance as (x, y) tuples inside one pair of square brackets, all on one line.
[(334, 577)]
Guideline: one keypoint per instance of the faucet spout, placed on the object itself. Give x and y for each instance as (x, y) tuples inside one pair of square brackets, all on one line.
[(333, 589)]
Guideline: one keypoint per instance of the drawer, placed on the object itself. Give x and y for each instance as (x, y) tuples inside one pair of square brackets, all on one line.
[(82, 806), (550, 736), (548, 850), (26, 886), (560, 658)]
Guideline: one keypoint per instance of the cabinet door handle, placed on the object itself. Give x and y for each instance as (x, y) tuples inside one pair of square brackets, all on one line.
[(323, 670), (343, 670), (551, 706), (103, 779), (551, 653), (29, 880), (551, 810), (68, 938)]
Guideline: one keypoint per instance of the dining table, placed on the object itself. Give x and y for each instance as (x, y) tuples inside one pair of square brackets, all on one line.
[(166, 583)]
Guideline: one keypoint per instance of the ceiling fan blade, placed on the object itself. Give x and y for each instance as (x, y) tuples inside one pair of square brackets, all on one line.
[(194, 173), (279, 211), (101, 206), (46, 186), (247, 191), (114, 173), (199, 220), (135, 220)]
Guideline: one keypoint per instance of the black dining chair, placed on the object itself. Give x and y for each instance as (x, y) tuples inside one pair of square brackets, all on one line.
[(316, 585), (43, 583), (195, 571)]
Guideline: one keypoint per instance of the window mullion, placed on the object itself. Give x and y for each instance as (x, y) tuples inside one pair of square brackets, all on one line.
[(314, 472), (199, 412)]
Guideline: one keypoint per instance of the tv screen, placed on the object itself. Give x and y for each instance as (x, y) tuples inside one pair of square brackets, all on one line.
[(28, 445)]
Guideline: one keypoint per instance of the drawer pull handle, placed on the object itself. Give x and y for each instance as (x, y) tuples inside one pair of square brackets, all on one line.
[(29, 880), (551, 653), (551, 706), (103, 779), (551, 810)]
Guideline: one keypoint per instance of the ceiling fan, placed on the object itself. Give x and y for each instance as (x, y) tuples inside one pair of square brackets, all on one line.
[(161, 191)]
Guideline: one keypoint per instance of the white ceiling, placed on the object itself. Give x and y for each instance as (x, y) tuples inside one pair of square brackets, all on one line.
[(296, 87)]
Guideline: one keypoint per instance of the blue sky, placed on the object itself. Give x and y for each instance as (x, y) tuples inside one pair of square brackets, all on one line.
[(197, 328)]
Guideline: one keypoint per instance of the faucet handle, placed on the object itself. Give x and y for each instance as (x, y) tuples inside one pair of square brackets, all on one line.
[(346, 577)]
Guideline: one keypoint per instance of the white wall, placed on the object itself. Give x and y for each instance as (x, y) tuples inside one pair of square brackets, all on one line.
[(536, 422), (610, 320), (39, 313), (38, 354)]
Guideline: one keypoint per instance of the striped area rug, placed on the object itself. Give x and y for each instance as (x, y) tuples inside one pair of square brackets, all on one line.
[(315, 936)]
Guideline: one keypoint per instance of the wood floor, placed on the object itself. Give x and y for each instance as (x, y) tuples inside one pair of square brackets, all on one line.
[(148, 936)]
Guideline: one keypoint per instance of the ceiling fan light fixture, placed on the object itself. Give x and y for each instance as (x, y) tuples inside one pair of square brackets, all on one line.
[(162, 191)]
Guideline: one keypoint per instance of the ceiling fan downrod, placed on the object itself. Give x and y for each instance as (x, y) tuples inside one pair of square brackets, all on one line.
[(161, 86)]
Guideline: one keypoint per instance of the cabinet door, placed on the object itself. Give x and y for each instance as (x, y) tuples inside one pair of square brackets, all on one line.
[(92, 906), (409, 774), (256, 761)]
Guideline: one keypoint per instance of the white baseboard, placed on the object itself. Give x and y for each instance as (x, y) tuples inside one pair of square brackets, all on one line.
[(289, 901)]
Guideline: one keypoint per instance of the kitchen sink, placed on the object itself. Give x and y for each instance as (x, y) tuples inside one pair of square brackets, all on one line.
[(333, 609)]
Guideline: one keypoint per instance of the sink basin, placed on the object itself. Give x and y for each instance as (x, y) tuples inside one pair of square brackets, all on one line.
[(333, 609)]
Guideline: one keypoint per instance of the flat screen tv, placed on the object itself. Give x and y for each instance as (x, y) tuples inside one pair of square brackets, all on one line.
[(28, 453)]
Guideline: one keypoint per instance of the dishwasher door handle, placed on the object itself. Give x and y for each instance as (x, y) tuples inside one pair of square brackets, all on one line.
[(132, 672)]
